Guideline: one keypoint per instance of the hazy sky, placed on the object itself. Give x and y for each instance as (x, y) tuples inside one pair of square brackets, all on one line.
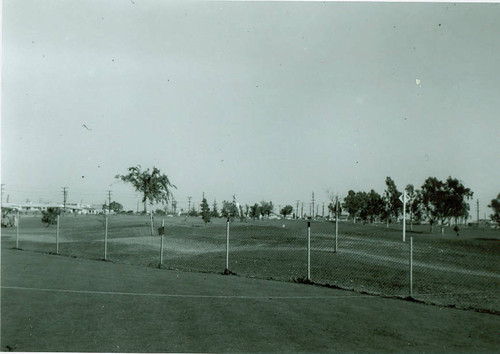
[(265, 100)]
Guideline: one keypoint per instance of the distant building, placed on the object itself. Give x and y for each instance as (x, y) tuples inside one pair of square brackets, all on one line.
[(33, 208)]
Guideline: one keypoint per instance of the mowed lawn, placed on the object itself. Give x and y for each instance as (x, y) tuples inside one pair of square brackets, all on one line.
[(450, 270), (57, 303)]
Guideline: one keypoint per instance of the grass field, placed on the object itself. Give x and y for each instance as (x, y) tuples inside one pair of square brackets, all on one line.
[(57, 303), (461, 271)]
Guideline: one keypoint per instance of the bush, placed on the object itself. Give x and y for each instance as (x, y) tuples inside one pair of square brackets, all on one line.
[(160, 212)]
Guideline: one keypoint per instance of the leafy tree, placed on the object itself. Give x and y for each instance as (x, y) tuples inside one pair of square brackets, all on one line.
[(215, 212), (229, 209), (286, 210), (392, 194), (50, 215), (367, 206), (153, 185), (433, 200), (116, 207), (495, 205), (255, 211), (362, 200), (375, 205), (416, 207), (352, 205), (457, 198), (444, 200), (205, 211), (266, 208)]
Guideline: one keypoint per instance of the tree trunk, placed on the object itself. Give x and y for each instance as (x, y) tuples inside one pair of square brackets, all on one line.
[(145, 201), (411, 221), (442, 226), (152, 222)]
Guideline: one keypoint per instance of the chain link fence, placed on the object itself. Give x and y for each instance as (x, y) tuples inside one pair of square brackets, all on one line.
[(459, 273)]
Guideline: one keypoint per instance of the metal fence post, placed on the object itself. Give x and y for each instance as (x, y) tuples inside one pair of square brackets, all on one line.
[(106, 239), (161, 242), (336, 232), (17, 230), (57, 235), (308, 250), (151, 215), (227, 245), (411, 266)]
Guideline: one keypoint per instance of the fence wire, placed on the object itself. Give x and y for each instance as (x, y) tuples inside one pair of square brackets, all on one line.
[(459, 273)]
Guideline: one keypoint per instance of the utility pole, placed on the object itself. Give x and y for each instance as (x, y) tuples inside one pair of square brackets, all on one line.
[(109, 201), (189, 204), (323, 213), (65, 196), (297, 210), (478, 213), (313, 205), (302, 213)]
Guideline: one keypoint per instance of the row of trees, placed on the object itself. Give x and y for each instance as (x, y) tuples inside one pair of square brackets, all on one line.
[(234, 210), (436, 201)]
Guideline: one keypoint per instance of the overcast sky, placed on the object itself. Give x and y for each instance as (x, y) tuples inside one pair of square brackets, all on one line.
[(264, 100)]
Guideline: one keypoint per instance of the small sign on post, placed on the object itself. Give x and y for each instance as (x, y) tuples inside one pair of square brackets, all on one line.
[(404, 198)]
